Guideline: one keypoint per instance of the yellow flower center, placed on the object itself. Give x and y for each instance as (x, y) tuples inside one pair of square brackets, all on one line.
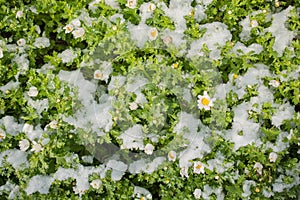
[(151, 7), (130, 3), (171, 156), (69, 28), (175, 65), (191, 13), (99, 75), (235, 76), (199, 166), (153, 33), (205, 101)]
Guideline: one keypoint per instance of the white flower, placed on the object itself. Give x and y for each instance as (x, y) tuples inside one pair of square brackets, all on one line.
[(67, 56), (258, 166), (98, 75), (253, 23), (78, 33), (24, 144), (33, 92), (76, 22), (198, 168), (151, 7), (149, 149), (41, 42), (274, 83), (131, 3), (36, 147), (2, 135), (229, 12), (197, 193), (204, 101), (1, 52), (68, 28), (184, 172), (104, 72), (19, 14), (273, 156), (21, 42), (96, 184), (152, 34), (53, 124), (27, 128), (133, 106), (172, 156)]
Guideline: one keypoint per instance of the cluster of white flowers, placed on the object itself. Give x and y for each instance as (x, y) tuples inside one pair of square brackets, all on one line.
[(74, 27)]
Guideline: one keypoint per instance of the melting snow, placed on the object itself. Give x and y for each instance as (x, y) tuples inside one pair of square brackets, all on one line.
[(216, 35), (283, 36), (39, 184)]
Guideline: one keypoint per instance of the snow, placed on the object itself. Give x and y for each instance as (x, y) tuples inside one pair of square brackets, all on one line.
[(216, 35), (133, 138), (256, 48), (39, 105), (10, 85), (17, 158), (199, 13), (284, 112), (10, 125), (64, 174), (283, 37), (152, 166), (137, 167), (247, 187), (92, 116), (176, 11), (250, 130), (118, 169), (139, 33), (39, 184), (12, 188), (186, 122)]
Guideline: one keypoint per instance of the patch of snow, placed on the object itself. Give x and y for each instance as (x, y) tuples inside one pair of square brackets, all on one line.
[(39, 184), (216, 36), (17, 158), (10, 125), (283, 37), (256, 48), (284, 112), (247, 187), (133, 138)]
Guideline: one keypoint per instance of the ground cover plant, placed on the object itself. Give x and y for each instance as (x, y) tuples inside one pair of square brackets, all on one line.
[(162, 99)]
